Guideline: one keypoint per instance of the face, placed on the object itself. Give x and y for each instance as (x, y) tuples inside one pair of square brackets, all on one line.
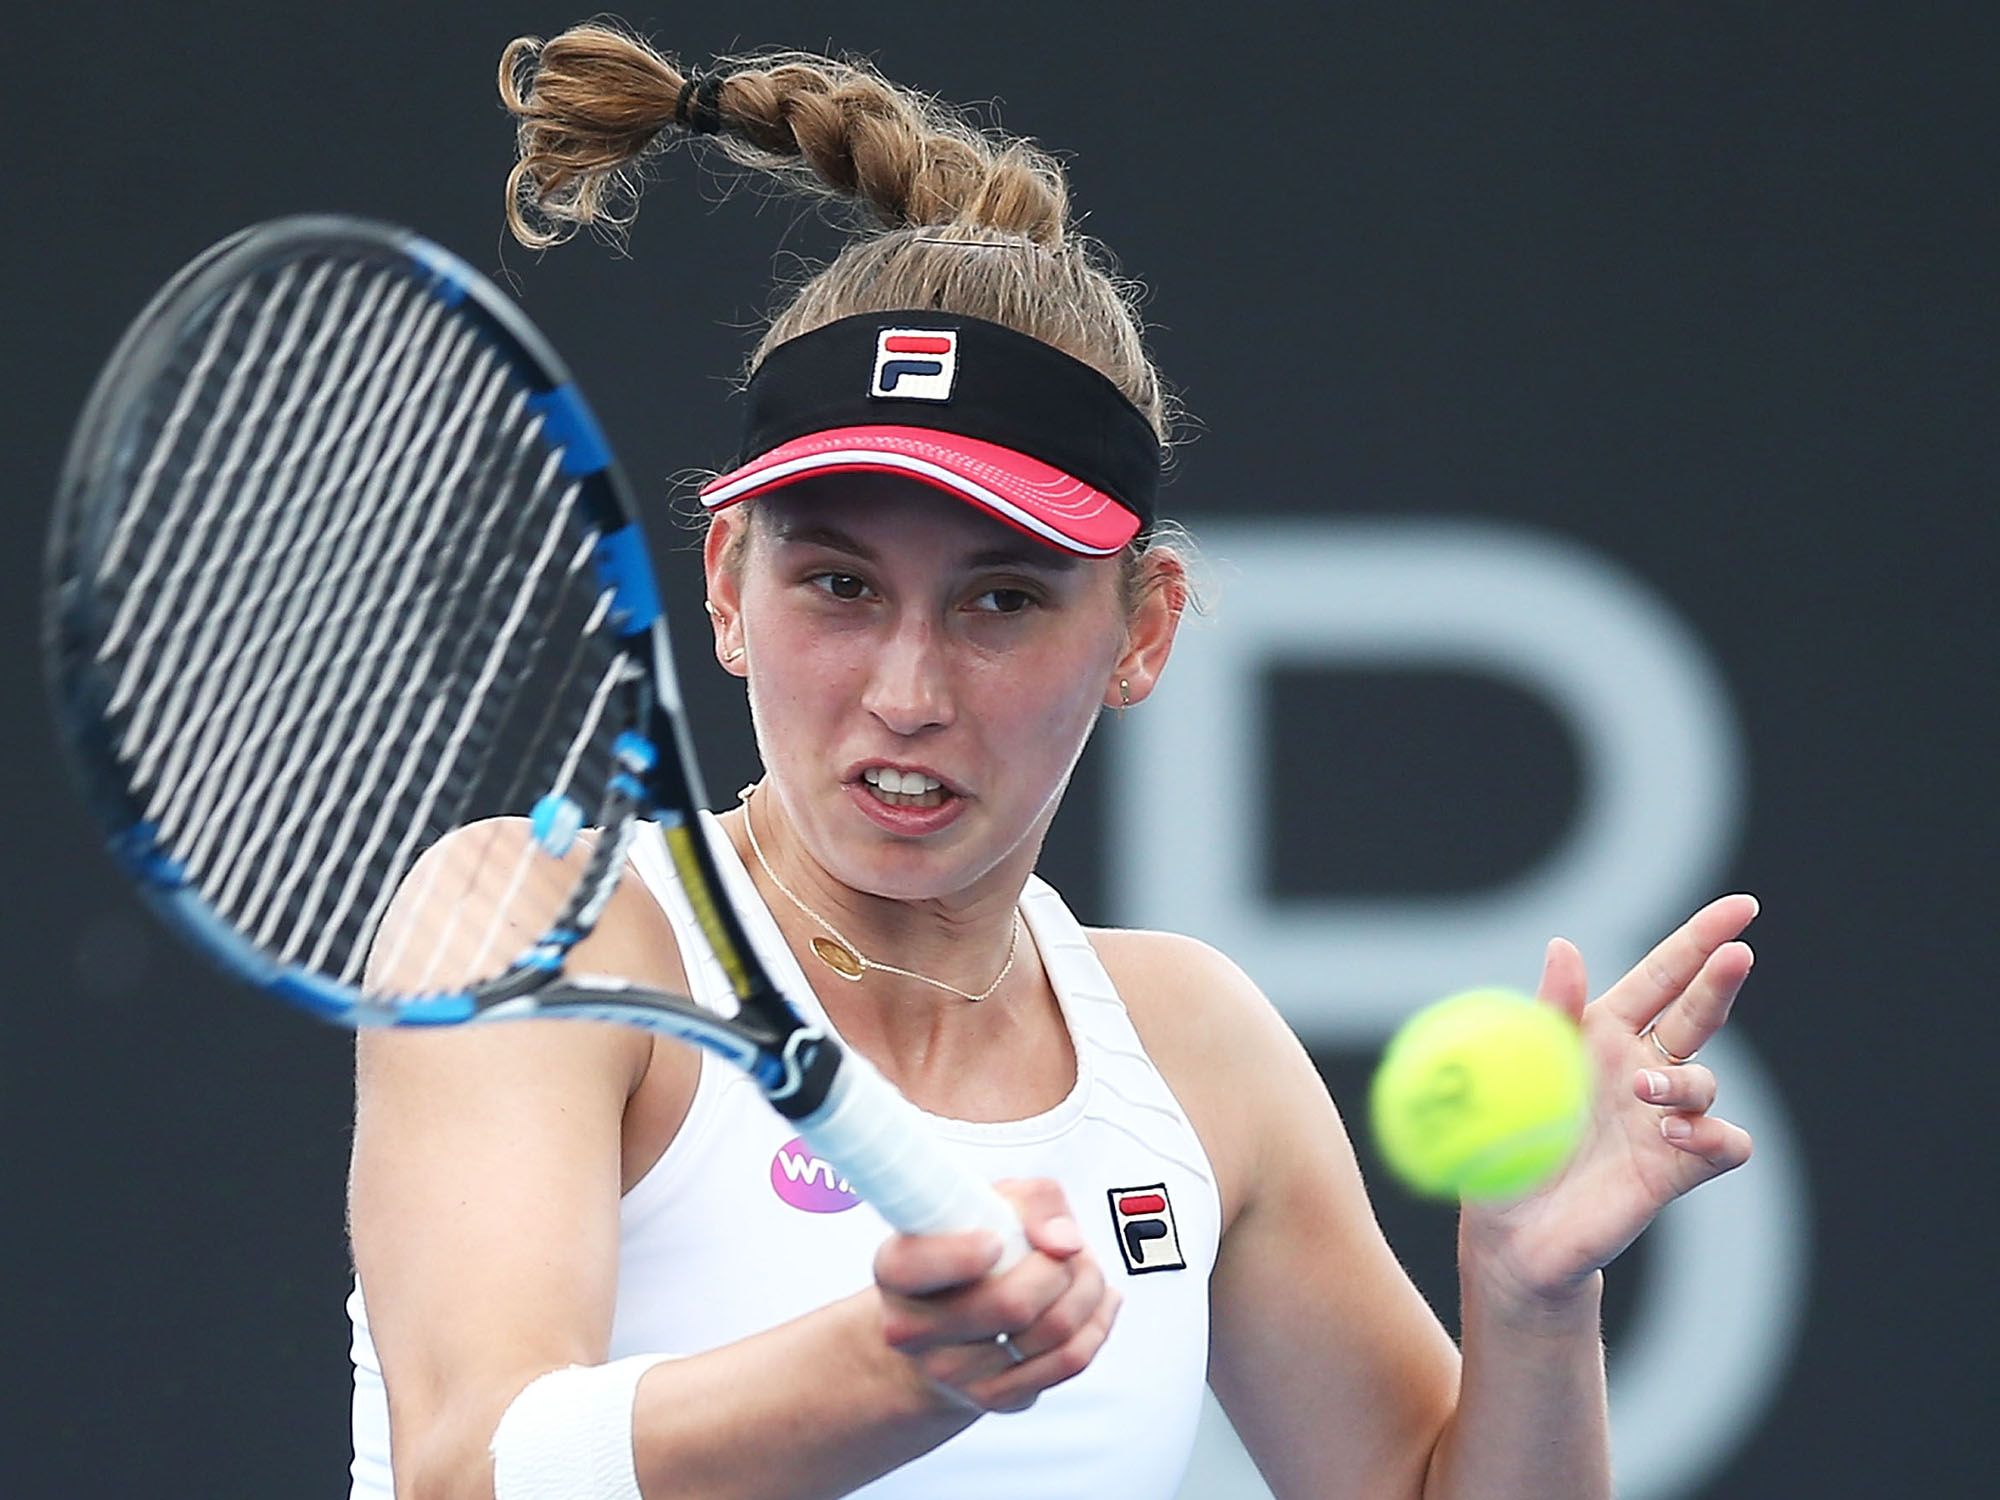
[(922, 678)]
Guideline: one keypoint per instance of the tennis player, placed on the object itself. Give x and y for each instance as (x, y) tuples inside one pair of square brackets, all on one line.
[(597, 1269)]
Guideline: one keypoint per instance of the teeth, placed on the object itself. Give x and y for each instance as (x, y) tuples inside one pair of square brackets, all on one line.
[(905, 783)]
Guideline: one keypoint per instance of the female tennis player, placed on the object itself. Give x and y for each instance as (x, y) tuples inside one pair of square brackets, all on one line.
[(596, 1268)]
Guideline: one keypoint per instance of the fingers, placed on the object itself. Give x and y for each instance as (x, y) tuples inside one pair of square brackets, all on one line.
[(1051, 1347), (1045, 1216), (1685, 1026), (1686, 1094), (923, 1265), (942, 1309), (1009, 1305), (1690, 1088), (1715, 1146), (1564, 983), (1015, 1386), (1662, 975)]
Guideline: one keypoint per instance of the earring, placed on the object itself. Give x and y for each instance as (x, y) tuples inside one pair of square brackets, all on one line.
[(716, 615), (1124, 693)]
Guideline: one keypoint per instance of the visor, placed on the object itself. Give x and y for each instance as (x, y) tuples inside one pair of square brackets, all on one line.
[(1036, 439)]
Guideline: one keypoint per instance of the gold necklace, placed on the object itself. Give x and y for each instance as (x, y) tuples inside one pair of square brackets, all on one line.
[(848, 961)]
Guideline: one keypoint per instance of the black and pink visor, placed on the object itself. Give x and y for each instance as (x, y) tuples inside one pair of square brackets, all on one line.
[(1003, 421)]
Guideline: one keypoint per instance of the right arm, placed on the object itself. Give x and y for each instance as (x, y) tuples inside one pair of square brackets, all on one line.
[(484, 1212)]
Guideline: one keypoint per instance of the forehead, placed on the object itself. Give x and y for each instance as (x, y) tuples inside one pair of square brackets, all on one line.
[(888, 514)]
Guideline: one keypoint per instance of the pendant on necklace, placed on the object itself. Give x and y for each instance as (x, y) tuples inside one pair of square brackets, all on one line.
[(838, 957)]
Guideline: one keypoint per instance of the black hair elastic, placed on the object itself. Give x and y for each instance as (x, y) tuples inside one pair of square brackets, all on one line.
[(702, 91)]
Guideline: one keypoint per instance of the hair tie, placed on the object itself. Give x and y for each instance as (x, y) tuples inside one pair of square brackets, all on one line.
[(962, 243), (698, 106)]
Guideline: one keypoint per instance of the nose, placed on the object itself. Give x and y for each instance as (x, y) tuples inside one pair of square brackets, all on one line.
[(909, 690)]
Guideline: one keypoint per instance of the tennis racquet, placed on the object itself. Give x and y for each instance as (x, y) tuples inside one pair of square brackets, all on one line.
[(348, 612)]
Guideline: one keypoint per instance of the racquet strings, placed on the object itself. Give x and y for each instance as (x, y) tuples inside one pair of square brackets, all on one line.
[(350, 607)]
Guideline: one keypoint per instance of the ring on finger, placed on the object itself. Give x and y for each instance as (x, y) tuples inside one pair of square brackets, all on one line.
[(1652, 1034), (1006, 1346)]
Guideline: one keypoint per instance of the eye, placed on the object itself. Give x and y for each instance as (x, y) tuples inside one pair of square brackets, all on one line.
[(840, 585), (1003, 601)]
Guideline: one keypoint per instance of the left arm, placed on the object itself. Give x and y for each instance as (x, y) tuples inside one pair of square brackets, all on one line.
[(1530, 1271), (1335, 1372), (1338, 1377)]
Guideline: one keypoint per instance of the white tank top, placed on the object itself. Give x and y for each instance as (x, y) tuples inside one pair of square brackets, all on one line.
[(738, 1228)]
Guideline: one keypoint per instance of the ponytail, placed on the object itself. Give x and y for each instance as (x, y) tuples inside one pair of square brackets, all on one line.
[(963, 220)]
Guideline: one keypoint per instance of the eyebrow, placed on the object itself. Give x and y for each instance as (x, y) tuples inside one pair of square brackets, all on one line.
[(1024, 554)]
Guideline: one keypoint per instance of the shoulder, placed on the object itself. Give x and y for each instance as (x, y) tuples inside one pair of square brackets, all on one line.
[(463, 912), (1235, 1065), (1185, 995), (1184, 992)]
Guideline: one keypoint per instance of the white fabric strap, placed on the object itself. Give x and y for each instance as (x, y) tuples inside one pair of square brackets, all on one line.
[(568, 1435)]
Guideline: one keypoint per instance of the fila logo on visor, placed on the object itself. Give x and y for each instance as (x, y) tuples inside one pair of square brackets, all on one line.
[(1143, 1220), (915, 364)]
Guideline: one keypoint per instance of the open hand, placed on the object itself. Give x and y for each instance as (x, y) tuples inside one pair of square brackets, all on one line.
[(1650, 1136)]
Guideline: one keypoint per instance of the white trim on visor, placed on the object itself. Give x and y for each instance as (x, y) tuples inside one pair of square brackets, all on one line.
[(874, 458)]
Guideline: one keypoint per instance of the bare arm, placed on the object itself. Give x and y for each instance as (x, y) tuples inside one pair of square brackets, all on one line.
[(1532, 1420), (484, 1191), (1335, 1372), (1339, 1379), (484, 1206)]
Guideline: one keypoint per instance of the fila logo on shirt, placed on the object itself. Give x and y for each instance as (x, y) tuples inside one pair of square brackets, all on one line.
[(915, 364), (1142, 1218)]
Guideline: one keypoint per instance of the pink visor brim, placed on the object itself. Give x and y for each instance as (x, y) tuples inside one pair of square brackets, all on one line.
[(1024, 492)]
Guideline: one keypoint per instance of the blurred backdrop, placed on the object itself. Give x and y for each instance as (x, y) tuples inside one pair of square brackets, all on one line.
[(1595, 461)]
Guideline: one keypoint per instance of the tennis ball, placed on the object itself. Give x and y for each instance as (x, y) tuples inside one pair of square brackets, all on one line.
[(1482, 1095)]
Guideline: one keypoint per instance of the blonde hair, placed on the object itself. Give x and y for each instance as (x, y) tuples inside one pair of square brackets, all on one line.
[(965, 220)]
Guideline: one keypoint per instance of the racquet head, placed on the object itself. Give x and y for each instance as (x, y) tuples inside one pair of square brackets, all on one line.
[(355, 639), (341, 567)]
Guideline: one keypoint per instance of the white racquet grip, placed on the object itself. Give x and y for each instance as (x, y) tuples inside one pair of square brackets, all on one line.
[(568, 1435), (889, 1155)]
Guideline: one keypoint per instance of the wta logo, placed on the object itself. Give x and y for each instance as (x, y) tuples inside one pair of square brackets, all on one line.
[(809, 1182), (1142, 1218), (915, 364)]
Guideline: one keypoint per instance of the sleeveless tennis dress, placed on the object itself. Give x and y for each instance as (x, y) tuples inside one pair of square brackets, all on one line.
[(738, 1227)]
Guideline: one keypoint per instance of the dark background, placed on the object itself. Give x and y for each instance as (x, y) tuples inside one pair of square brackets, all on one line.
[(1705, 287)]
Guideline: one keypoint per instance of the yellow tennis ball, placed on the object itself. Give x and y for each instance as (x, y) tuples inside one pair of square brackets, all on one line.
[(1482, 1095)]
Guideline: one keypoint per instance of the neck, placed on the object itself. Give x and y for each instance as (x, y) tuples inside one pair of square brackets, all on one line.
[(931, 953)]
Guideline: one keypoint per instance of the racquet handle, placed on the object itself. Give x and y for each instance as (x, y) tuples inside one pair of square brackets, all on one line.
[(888, 1153)]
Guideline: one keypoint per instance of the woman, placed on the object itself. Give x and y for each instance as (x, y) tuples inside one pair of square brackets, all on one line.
[(937, 565)]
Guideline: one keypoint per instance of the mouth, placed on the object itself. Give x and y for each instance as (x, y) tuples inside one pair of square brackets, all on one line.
[(897, 788)]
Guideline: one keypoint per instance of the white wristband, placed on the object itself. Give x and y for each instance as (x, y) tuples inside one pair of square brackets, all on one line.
[(568, 1435)]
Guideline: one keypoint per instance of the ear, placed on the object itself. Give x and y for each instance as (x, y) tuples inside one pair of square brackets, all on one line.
[(722, 552), (1149, 635)]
